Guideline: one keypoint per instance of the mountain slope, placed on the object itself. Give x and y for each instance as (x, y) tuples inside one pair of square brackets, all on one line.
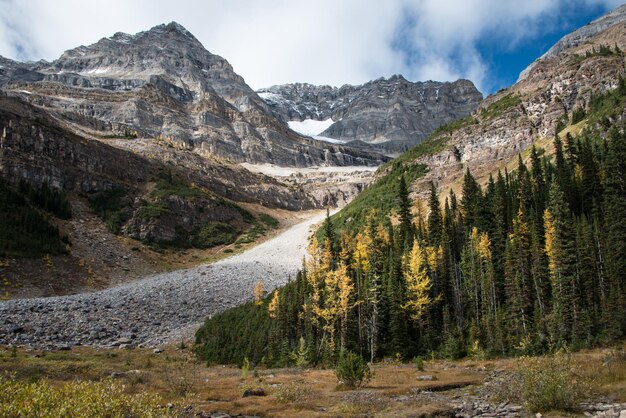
[(506, 124), (530, 262), (580, 36), (389, 114), (164, 83), (130, 200)]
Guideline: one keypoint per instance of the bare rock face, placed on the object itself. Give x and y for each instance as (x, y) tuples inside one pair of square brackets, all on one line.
[(164, 83), (388, 114)]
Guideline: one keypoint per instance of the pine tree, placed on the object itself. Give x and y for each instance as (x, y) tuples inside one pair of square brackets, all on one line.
[(518, 281), (329, 236), (435, 223), (404, 211), (561, 251), (615, 227), (471, 201)]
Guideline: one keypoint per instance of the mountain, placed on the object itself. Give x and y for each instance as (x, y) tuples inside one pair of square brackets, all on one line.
[(164, 83), (502, 233), (104, 211), (389, 114), (508, 123), (579, 37)]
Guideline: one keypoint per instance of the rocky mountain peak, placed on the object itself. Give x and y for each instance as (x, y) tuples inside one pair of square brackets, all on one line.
[(390, 114), (162, 82), (146, 50)]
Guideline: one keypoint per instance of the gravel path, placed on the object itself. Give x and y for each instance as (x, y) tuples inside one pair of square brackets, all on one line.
[(158, 309)]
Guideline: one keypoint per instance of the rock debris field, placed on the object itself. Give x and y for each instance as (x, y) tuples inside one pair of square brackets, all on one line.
[(157, 309)]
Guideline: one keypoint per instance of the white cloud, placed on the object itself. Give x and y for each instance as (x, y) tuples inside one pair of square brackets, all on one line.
[(278, 41)]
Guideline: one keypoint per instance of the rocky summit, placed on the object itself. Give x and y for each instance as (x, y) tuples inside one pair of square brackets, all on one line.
[(164, 83), (386, 114)]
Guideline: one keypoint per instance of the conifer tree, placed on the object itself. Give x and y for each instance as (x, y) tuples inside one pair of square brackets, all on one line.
[(435, 223), (418, 283), (470, 201), (561, 251), (404, 212), (615, 227)]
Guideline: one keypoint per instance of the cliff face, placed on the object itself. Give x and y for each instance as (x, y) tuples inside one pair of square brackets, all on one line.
[(511, 120), (33, 148), (388, 114), (164, 83)]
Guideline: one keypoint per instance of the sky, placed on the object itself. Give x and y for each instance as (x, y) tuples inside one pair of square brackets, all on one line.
[(332, 42)]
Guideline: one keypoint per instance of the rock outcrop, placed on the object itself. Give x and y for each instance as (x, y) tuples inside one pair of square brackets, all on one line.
[(164, 83), (388, 114)]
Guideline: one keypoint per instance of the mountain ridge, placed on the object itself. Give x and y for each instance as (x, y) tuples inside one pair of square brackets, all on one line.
[(579, 36), (163, 82), (390, 114)]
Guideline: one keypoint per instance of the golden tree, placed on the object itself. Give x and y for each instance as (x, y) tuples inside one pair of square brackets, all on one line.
[(259, 292), (272, 308), (418, 283)]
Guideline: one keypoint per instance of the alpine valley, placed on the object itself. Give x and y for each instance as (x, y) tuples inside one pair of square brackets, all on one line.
[(396, 248)]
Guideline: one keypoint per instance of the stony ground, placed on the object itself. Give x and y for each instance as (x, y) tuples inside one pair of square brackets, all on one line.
[(159, 309)]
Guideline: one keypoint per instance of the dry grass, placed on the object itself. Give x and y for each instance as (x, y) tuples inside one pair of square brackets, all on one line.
[(176, 377), (606, 369)]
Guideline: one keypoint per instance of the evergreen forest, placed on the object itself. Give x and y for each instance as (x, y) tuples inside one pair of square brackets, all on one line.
[(530, 262)]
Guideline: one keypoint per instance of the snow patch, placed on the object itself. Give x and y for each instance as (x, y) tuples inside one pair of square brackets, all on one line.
[(98, 71), (271, 97), (25, 92), (310, 127), (327, 139), (278, 171), (313, 128)]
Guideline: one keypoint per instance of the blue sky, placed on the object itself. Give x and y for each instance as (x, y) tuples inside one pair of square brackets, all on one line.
[(332, 42), (506, 62)]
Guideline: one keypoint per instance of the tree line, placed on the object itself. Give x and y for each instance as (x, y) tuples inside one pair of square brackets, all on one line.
[(533, 261)]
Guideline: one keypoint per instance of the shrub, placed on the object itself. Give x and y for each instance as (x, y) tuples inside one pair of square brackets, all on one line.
[(44, 197), (500, 106), (110, 205), (295, 391), (76, 399), (550, 383), (181, 375), (578, 114), (419, 363), (352, 370), (269, 221), (213, 234), (24, 230), (245, 368)]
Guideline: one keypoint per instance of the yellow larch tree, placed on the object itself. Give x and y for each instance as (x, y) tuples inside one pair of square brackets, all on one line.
[(259, 292), (418, 283), (272, 308)]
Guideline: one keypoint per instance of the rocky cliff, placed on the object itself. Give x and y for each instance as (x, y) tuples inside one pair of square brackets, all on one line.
[(164, 83), (388, 114)]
